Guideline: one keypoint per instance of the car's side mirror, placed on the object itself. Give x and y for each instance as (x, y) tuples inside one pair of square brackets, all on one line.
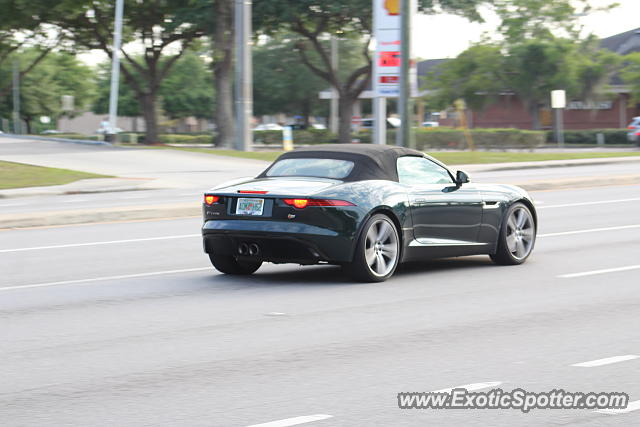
[(461, 178)]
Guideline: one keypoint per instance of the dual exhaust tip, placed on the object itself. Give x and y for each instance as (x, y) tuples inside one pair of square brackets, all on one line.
[(251, 249)]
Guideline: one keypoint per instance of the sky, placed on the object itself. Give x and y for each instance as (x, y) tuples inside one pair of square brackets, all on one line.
[(446, 36)]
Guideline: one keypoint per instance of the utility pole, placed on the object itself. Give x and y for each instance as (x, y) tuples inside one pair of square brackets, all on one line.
[(333, 118), (16, 98), (115, 71), (244, 75), (404, 101)]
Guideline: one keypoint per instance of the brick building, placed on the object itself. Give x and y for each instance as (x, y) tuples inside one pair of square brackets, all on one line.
[(612, 111)]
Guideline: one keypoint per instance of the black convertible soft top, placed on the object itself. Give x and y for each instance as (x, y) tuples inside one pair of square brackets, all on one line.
[(371, 161)]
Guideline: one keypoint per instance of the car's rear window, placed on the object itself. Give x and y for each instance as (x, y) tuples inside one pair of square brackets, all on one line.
[(321, 168)]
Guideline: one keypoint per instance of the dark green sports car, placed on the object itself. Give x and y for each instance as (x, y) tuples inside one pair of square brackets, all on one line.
[(365, 207)]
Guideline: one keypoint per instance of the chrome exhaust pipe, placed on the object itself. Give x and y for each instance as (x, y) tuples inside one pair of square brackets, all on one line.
[(254, 249), (243, 249)]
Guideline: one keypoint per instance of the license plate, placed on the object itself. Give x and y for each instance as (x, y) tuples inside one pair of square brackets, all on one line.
[(253, 207)]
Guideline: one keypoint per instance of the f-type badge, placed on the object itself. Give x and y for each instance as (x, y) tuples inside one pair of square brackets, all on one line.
[(291, 216)]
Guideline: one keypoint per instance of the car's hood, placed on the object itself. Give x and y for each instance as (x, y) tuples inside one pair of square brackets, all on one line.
[(278, 186)]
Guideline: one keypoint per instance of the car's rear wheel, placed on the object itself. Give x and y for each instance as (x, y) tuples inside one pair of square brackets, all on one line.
[(517, 236), (228, 264), (377, 251)]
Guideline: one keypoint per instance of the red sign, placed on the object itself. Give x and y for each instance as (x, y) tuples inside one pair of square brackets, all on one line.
[(389, 79), (389, 59)]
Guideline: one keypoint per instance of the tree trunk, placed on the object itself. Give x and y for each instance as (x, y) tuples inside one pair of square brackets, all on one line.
[(27, 121), (150, 114), (223, 72), (535, 116), (345, 114)]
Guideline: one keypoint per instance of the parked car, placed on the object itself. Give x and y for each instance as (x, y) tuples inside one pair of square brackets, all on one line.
[(268, 126), (634, 131), (366, 208), (392, 123), (430, 124)]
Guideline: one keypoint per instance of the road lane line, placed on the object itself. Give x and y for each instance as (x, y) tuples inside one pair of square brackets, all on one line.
[(597, 272), (100, 279), (111, 242), (606, 361), (294, 421), (470, 387), (592, 230), (633, 406), (599, 202)]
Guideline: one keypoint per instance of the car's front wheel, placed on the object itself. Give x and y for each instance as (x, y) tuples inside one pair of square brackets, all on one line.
[(517, 236), (228, 264), (377, 251)]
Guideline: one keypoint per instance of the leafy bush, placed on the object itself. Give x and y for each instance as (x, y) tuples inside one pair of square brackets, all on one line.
[(302, 137), (454, 139), (590, 136)]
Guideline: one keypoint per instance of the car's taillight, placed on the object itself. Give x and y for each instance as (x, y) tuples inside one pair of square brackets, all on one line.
[(631, 127), (637, 133), (303, 203), (209, 199)]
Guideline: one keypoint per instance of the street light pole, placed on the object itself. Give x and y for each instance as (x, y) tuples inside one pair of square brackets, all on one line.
[(115, 69), (16, 98), (244, 75), (333, 119), (404, 101)]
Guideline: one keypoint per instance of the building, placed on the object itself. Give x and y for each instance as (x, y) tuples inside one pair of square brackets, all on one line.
[(613, 111)]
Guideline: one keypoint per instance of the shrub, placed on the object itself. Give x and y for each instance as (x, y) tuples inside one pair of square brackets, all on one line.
[(454, 139), (590, 136)]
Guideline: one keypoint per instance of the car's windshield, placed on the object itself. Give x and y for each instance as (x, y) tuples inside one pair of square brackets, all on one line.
[(321, 168)]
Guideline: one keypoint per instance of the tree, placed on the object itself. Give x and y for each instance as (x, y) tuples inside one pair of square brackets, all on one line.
[(314, 19), (42, 89), (531, 69), (186, 91), (284, 84), (631, 74), (21, 28), (528, 60), (223, 37), (164, 29)]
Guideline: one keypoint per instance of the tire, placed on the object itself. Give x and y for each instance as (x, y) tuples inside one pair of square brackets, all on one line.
[(228, 264), (517, 236), (377, 251)]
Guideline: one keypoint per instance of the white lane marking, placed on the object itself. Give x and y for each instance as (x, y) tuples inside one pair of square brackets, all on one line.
[(294, 421), (592, 230), (599, 202), (99, 279), (606, 361), (471, 387), (4, 205), (74, 201), (633, 406), (597, 272), (110, 242)]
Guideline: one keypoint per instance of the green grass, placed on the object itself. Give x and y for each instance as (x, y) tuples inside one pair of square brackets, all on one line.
[(448, 157), (18, 175), (475, 157)]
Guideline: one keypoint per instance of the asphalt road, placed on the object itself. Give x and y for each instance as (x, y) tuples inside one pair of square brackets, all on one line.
[(127, 324)]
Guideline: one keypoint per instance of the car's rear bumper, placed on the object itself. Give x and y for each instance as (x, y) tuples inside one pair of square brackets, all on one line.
[(278, 241)]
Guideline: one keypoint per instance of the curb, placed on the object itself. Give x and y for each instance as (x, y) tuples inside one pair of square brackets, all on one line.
[(495, 167), (186, 210), (42, 138), (89, 216)]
